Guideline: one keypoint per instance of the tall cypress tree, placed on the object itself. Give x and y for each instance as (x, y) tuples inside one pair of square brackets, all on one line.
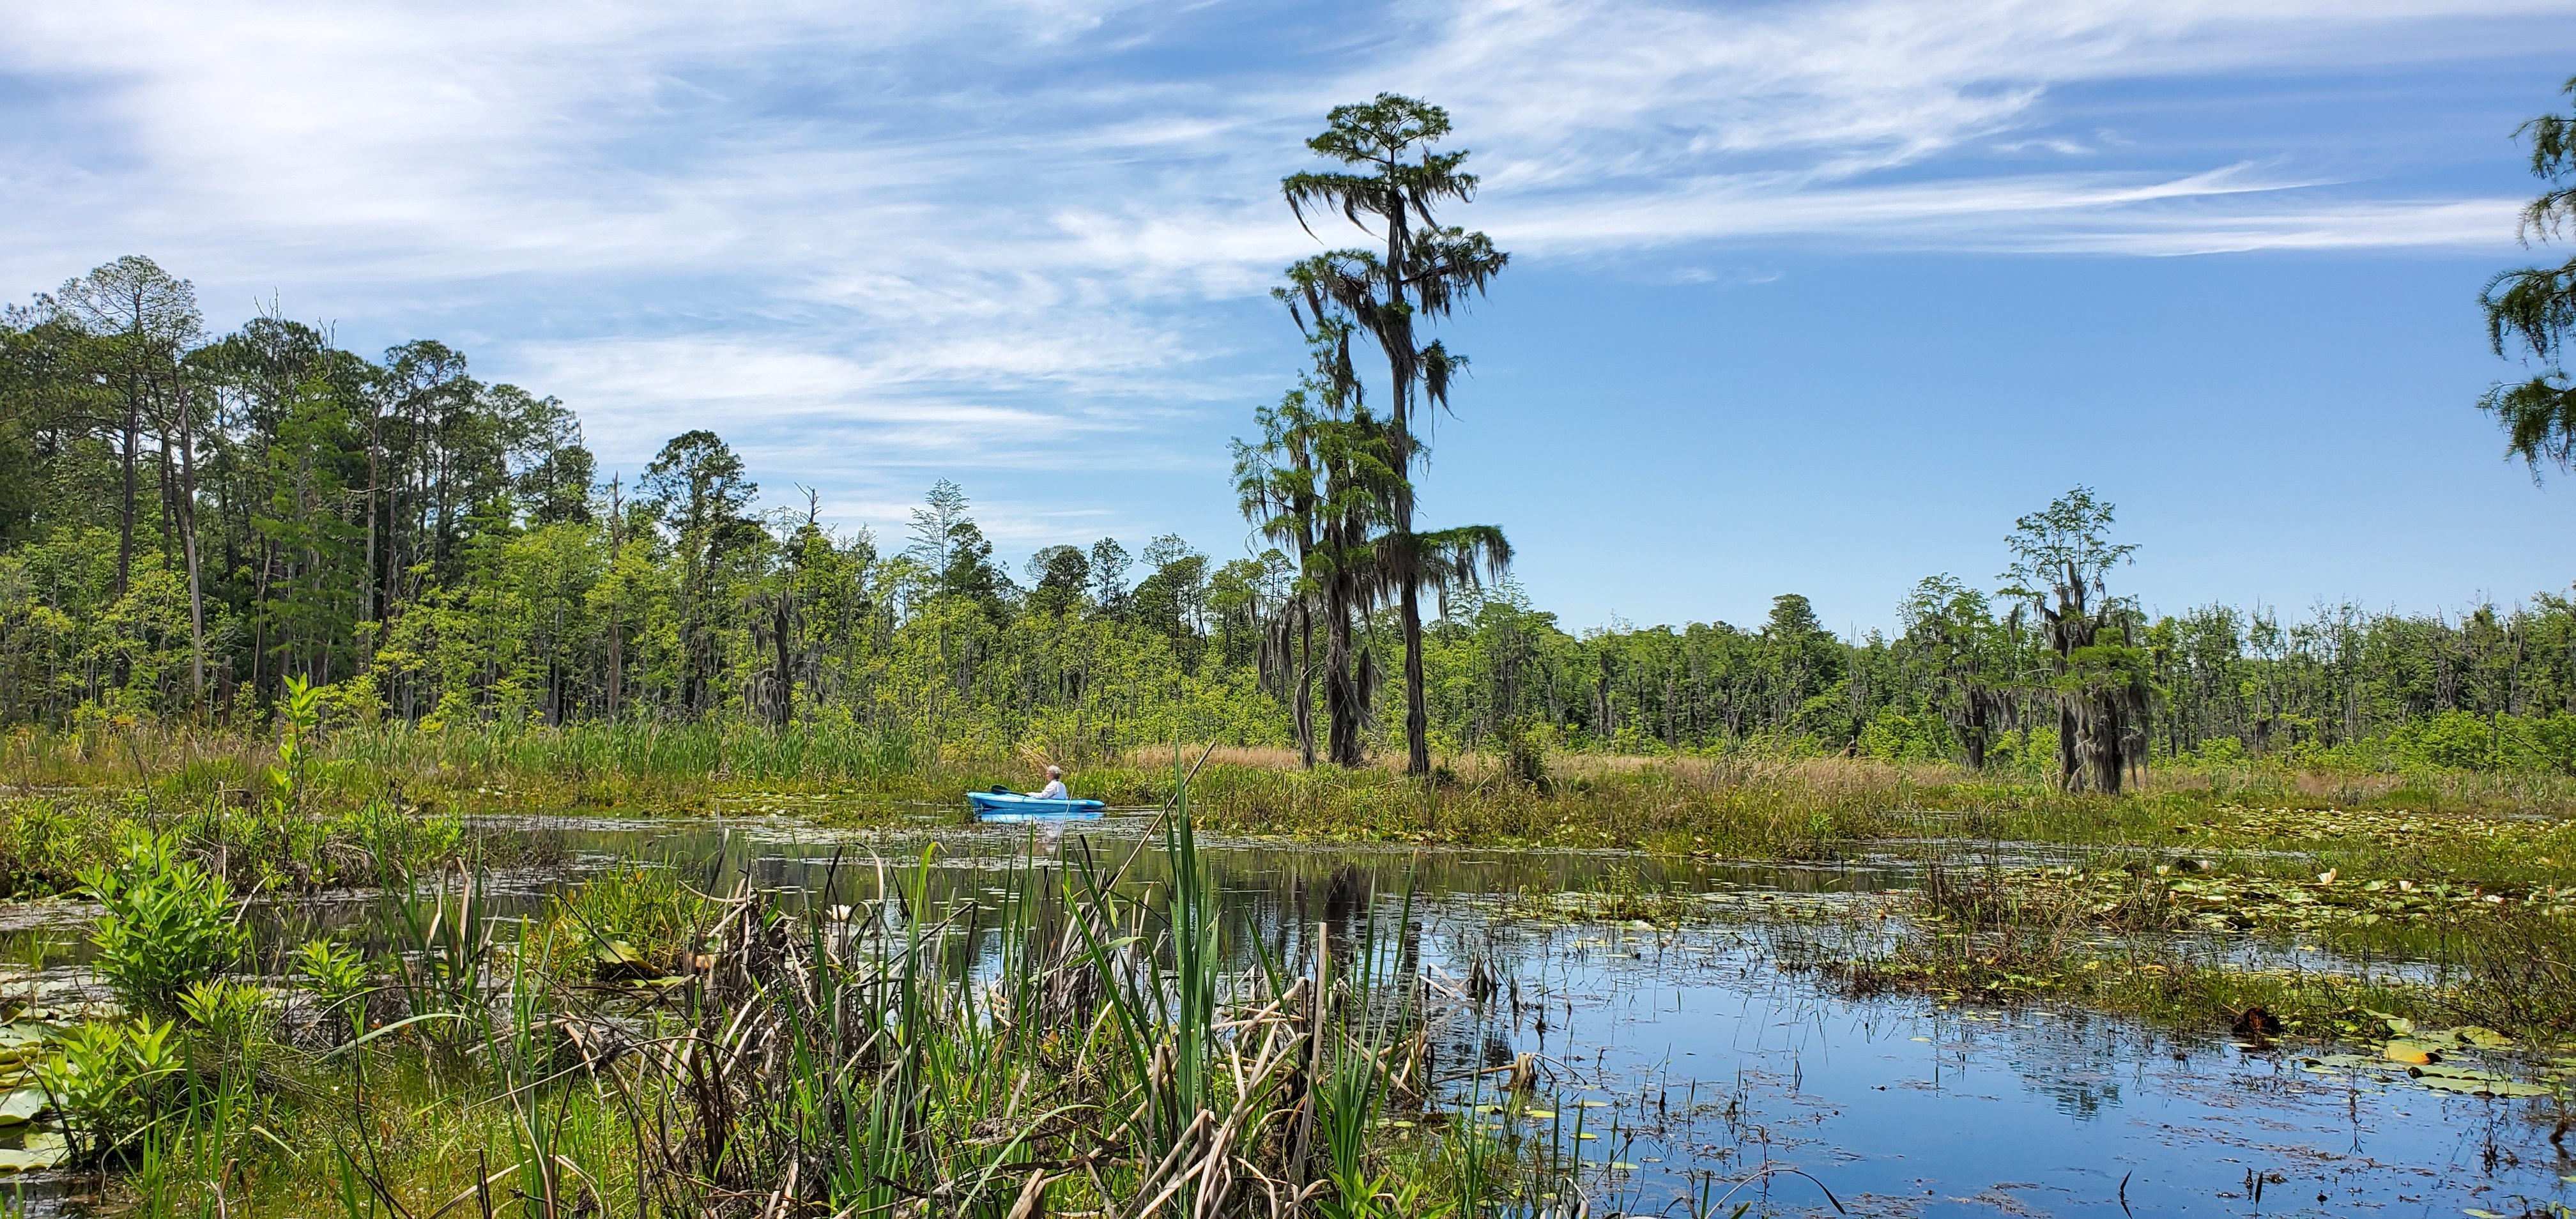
[(1393, 182)]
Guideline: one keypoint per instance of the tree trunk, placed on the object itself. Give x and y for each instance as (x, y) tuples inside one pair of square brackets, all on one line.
[(188, 535), (1975, 729), (616, 624), (1417, 719), (783, 679), (2070, 768), (125, 529), (1341, 700), (1302, 701), (367, 582)]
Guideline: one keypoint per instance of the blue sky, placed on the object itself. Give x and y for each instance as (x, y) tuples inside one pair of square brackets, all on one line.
[(1807, 297)]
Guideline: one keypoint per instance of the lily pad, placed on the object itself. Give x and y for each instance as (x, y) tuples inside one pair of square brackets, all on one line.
[(2481, 1087), (41, 1151), (22, 1106), (2516, 1087), (2412, 1053), (2453, 1071), (2482, 1037)]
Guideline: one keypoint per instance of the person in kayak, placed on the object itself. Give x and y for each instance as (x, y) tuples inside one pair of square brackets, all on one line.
[(1054, 790)]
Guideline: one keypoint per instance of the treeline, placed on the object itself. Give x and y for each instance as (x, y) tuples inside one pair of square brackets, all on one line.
[(187, 520), (1963, 680)]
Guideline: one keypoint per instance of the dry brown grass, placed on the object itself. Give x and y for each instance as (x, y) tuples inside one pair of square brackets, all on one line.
[(1825, 775)]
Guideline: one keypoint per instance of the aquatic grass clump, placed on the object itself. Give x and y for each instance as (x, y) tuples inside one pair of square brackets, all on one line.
[(48, 842), (1744, 803), (1617, 895), (632, 920)]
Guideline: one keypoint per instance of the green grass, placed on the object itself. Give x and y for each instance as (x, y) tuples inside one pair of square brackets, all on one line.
[(1736, 805)]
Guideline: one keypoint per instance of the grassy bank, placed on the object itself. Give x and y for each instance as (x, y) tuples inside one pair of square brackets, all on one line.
[(1743, 806)]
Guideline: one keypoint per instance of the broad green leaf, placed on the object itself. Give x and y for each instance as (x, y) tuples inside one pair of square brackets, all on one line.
[(22, 1106)]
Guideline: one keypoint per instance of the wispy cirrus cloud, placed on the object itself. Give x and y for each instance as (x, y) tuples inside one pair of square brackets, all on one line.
[(1018, 230)]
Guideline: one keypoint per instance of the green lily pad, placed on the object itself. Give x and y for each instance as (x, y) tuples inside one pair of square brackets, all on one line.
[(41, 1151), (2453, 1071), (2516, 1087), (22, 1106), (2482, 1087)]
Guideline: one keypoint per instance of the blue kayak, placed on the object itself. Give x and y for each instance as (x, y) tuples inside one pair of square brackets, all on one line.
[(999, 806)]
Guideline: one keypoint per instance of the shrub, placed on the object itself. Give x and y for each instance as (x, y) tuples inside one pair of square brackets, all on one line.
[(109, 1081), (1525, 751), (1893, 736), (168, 924), (2453, 740), (335, 975)]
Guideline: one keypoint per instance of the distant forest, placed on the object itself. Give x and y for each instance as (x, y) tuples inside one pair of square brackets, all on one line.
[(188, 521)]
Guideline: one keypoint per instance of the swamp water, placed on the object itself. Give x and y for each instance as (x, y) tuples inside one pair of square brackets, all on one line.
[(1682, 1066)]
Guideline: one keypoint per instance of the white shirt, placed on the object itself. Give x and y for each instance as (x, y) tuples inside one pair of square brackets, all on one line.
[(1054, 790)]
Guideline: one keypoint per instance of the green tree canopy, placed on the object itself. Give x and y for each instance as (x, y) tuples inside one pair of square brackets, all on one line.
[(2531, 311)]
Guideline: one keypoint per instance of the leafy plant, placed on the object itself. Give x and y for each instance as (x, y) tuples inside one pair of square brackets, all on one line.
[(109, 1082), (335, 974), (168, 924), (229, 1011), (302, 712)]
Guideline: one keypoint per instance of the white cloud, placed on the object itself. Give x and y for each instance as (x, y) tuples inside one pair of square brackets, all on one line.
[(2231, 209), (1005, 228)]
